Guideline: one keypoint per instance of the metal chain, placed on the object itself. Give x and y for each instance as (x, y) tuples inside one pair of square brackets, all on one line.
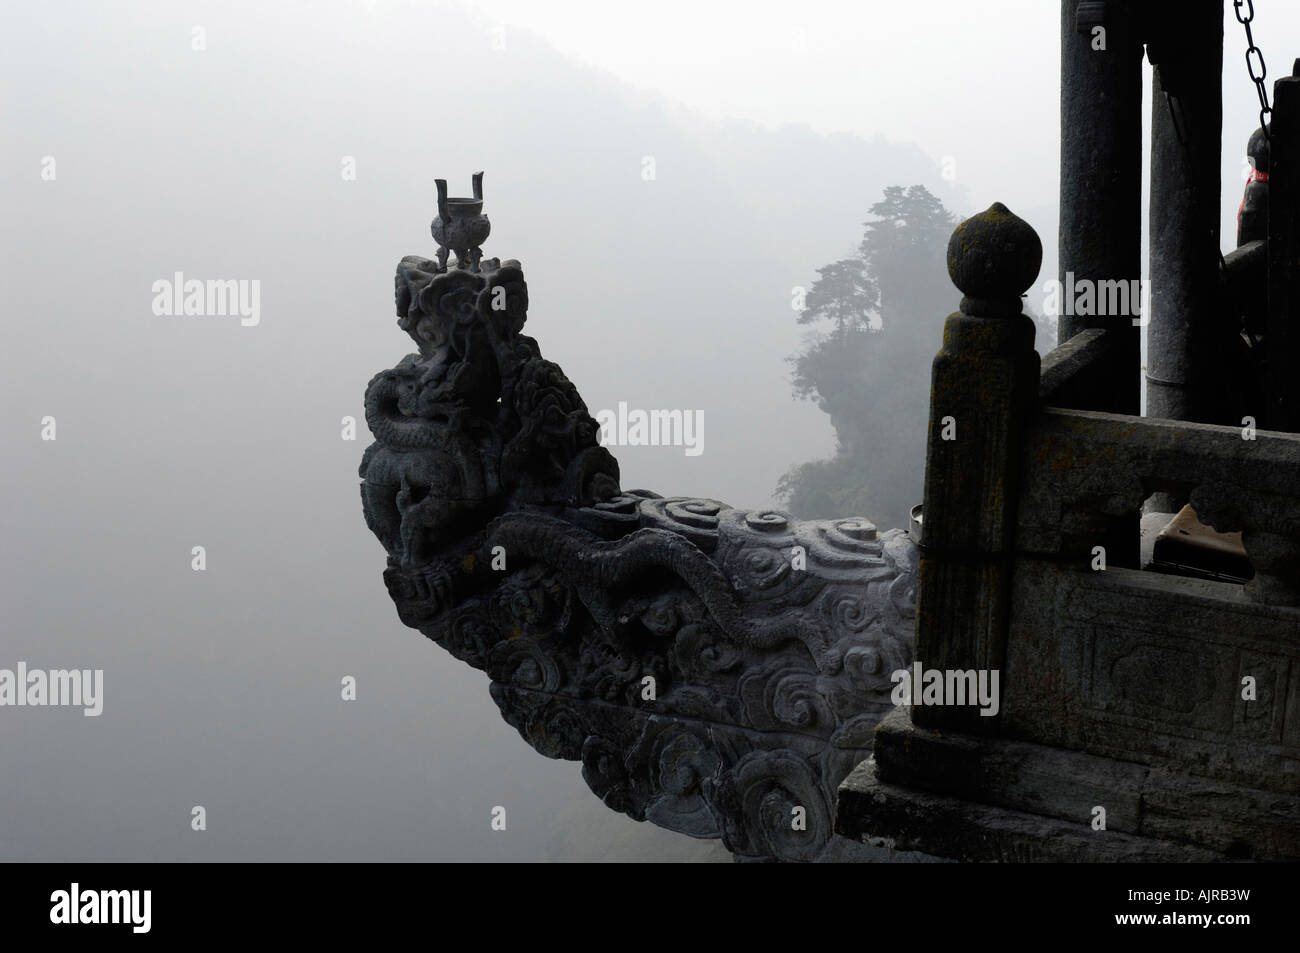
[(1258, 57), (1264, 108)]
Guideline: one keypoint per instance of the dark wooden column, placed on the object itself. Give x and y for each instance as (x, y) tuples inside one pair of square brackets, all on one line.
[(1101, 180), (1284, 251), (1184, 346)]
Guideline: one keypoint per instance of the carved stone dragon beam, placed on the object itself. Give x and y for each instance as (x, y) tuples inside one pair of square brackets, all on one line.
[(717, 671)]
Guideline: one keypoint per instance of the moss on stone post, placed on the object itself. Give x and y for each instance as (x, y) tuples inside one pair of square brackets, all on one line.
[(984, 386)]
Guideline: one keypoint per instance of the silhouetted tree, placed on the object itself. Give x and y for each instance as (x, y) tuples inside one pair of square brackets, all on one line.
[(877, 323)]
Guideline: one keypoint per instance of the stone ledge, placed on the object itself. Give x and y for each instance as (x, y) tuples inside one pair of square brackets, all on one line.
[(1159, 801), (884, 814)]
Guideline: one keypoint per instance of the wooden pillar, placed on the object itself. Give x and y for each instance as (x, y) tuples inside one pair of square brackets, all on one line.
[(984, 386), (1283, 336), (1101, 182), (1184, 336)]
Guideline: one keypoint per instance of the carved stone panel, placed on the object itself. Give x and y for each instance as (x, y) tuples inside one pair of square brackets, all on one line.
[(1153, 668)]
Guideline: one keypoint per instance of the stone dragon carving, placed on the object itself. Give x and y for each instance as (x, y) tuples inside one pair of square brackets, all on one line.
[(714, 670)]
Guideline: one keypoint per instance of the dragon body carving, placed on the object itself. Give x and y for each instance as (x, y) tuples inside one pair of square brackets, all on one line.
[(716, 671)]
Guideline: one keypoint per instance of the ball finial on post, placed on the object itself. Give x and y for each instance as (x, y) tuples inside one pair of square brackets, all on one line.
[(993, 258)]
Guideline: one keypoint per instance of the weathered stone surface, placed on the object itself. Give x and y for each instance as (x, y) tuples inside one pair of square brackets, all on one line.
[(907, 818), (994, 257), (984, 384), (1071, 371), (1082, 471), (1006, 773), (1148, 667), (1100, 235), (1165, 802), (1187, 333), (1120, 689), (713, 669)]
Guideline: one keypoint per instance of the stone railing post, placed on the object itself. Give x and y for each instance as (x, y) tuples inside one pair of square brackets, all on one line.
[(984, 387)]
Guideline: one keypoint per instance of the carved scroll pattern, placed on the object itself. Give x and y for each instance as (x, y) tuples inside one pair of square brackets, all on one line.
[(717, 671)]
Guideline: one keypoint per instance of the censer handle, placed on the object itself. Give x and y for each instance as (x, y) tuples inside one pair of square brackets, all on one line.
[(442, 199)]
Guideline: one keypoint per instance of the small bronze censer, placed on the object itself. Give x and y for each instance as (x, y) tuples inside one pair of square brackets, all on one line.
[(461, 226)]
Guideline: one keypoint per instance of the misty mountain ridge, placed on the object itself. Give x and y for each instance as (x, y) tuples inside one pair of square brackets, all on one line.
[(671, 293)]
